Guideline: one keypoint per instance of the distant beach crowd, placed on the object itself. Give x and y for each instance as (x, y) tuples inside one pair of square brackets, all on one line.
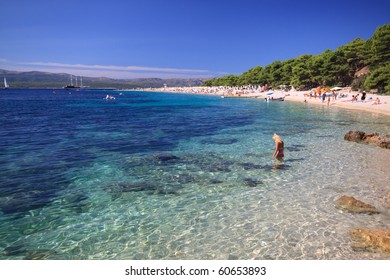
[(343, 97)]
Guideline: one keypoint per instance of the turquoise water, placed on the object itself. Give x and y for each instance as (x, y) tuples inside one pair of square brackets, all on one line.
[(171, 176)]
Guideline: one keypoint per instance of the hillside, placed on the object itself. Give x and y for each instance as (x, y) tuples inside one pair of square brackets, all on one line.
[(36, 79), (362, 64)]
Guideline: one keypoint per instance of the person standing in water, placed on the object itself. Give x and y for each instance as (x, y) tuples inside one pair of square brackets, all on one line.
[(279, 147)]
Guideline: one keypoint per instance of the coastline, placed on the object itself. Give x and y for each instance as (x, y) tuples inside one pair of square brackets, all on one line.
[(295, 96)]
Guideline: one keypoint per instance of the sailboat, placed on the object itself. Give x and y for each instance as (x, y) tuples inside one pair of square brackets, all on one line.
[(71, 83), (5, 83)]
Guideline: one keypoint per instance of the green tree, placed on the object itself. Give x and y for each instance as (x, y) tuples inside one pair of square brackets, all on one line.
[(379, 46), (356, 54), (300, 72), (315, 64), (379, 79)]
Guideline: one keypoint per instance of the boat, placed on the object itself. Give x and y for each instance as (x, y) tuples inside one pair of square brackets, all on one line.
[(110, 97), (71, 86), (268, 99), (71, 83), (5, 83)]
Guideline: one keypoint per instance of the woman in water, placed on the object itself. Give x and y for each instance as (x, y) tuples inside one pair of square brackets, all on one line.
[(279, 147)]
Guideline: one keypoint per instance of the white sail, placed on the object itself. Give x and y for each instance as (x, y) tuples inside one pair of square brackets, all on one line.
[(5, 83)]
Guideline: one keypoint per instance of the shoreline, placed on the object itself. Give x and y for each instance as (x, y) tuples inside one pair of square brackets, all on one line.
[(295, 96)]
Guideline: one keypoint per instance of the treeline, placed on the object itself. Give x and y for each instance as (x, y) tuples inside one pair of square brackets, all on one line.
[(364, 65)]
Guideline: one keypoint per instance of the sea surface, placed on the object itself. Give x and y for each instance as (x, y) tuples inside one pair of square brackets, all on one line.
[(176, 176)]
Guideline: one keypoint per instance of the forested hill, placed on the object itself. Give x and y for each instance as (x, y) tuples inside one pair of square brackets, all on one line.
[(36, 79), (360, 64)]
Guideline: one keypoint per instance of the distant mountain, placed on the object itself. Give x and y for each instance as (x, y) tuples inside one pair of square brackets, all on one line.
[(36, 79)]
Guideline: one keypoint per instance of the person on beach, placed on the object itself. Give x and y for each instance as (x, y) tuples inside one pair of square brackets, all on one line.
[(279, 147), (318, 92), (363, 96), (323, 96), (377, 101)]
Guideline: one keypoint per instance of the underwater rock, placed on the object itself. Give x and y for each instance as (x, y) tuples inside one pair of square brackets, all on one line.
[(217, 168), (250, 166), (370, 240), (79, 202), (220, 141), (21, 250), (25, 201), (38, 254), (130, 187), (182, 178), (164, 157), (215, 182), (252, 182), (15, 250), (382, 141), (295, 148), (118, 188), (351, 204)]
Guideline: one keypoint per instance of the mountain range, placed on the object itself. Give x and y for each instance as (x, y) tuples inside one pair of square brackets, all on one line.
[(36, 79)]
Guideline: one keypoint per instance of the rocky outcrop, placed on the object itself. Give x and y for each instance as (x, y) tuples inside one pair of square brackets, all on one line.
[(351, 204), (382, 141), (370, 240)]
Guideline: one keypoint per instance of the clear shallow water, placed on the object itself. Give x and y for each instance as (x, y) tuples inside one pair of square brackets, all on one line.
[(170, 176)]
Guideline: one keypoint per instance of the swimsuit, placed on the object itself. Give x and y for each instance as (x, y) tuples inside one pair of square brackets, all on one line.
[(281, 151)]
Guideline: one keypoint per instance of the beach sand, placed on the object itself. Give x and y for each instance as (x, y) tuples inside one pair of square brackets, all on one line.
[(296, 96), (345, 102)]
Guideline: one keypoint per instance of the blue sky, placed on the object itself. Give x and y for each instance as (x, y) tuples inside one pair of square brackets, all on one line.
[(171, 38)]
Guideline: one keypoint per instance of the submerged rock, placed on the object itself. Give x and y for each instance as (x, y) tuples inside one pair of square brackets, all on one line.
[(164, 157), (25, 201), (250, 166), (220, 141), (215, 182), (370, 240), (382, 141), (39, 254), (351, 204), (252, 182), (118, 188)]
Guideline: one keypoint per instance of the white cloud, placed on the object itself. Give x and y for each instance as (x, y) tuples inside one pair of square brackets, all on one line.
[(110, 71), (115, 68)]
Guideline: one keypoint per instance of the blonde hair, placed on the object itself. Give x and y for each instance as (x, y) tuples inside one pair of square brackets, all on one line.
[(276, 138)]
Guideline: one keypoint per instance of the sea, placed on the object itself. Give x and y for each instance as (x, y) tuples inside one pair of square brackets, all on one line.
[(168, 176)]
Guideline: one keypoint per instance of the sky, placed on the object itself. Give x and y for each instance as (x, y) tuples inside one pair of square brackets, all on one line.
[(176, 39)]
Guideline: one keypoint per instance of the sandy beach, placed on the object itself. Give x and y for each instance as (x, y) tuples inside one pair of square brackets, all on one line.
[(343, 99)]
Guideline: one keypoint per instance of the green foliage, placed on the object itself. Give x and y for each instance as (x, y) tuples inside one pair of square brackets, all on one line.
[(379, 79), (378, 46), (329, 68), (355, 53)]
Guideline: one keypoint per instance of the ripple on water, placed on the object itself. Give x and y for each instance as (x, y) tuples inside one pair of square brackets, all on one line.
[(202, 185)]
